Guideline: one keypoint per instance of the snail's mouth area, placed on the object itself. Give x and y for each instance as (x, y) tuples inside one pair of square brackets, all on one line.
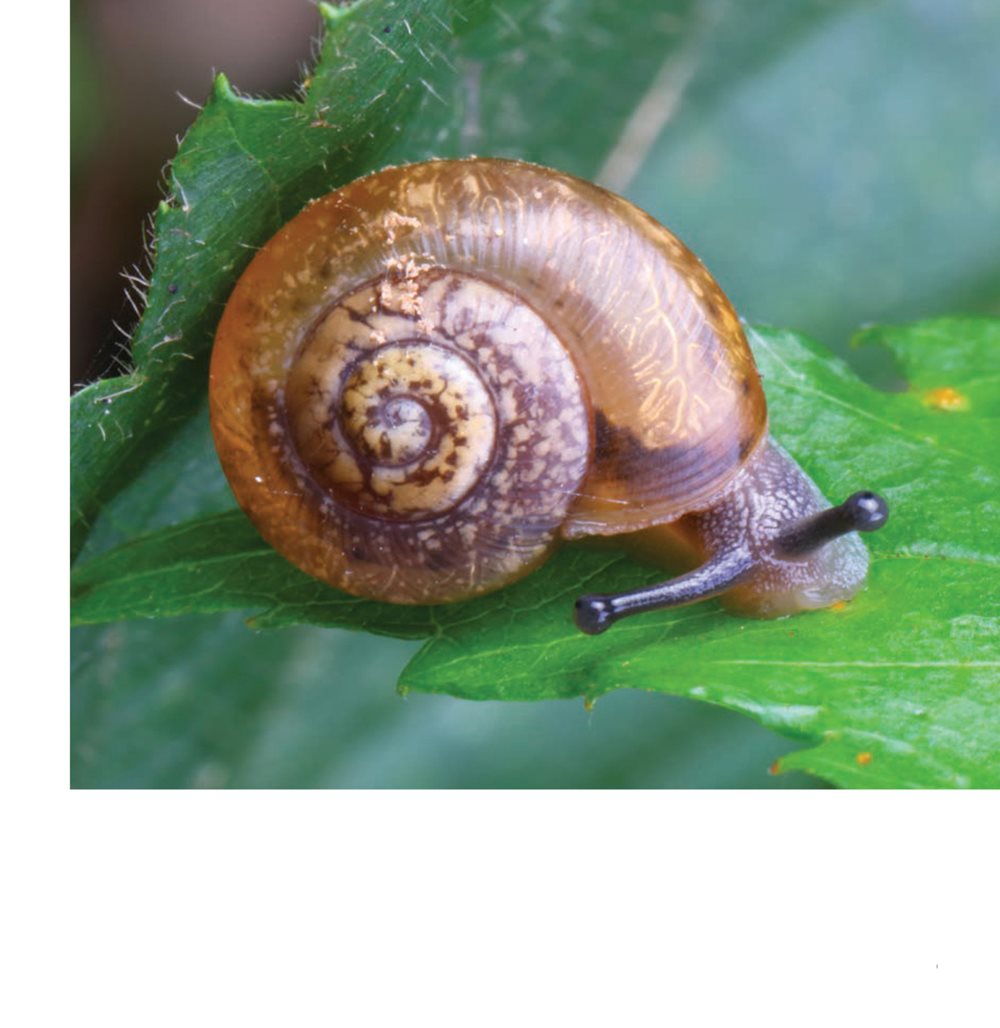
[(775, 587)]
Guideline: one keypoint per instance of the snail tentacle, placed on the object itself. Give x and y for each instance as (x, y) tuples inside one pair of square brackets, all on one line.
[(595, 613), (860, 512)]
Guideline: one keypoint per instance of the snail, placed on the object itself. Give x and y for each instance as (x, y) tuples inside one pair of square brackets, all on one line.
[(432, 375)]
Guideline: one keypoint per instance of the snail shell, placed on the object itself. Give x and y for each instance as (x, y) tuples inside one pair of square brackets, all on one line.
[(430, 376)]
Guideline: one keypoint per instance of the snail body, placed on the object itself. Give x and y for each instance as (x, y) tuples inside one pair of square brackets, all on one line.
[(431, 376)]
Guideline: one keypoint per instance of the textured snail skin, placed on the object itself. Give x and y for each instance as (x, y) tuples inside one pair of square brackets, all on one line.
[(430, 376)]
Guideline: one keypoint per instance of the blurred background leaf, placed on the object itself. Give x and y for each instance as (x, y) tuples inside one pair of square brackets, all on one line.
[(833, 163)]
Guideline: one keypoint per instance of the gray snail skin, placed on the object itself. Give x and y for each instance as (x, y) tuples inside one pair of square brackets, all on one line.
[(431, 376)]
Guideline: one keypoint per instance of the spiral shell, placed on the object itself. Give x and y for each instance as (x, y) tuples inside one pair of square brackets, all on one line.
[(430, 375)]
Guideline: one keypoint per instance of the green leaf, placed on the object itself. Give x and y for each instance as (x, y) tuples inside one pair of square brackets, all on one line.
[(220, 563), (900, 688)]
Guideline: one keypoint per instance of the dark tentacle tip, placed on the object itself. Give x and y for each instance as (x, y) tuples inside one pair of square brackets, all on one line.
[(593, 614), (860, 512), (867, 511)]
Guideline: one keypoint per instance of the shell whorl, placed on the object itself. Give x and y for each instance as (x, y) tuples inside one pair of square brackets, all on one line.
[(425, 443), (430, 374)]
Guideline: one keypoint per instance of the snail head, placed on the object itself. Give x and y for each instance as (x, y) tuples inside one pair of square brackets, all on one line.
[(770, 546)]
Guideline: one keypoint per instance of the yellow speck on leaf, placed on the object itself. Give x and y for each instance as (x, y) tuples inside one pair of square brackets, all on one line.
[(864, 758), (946, 398)]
